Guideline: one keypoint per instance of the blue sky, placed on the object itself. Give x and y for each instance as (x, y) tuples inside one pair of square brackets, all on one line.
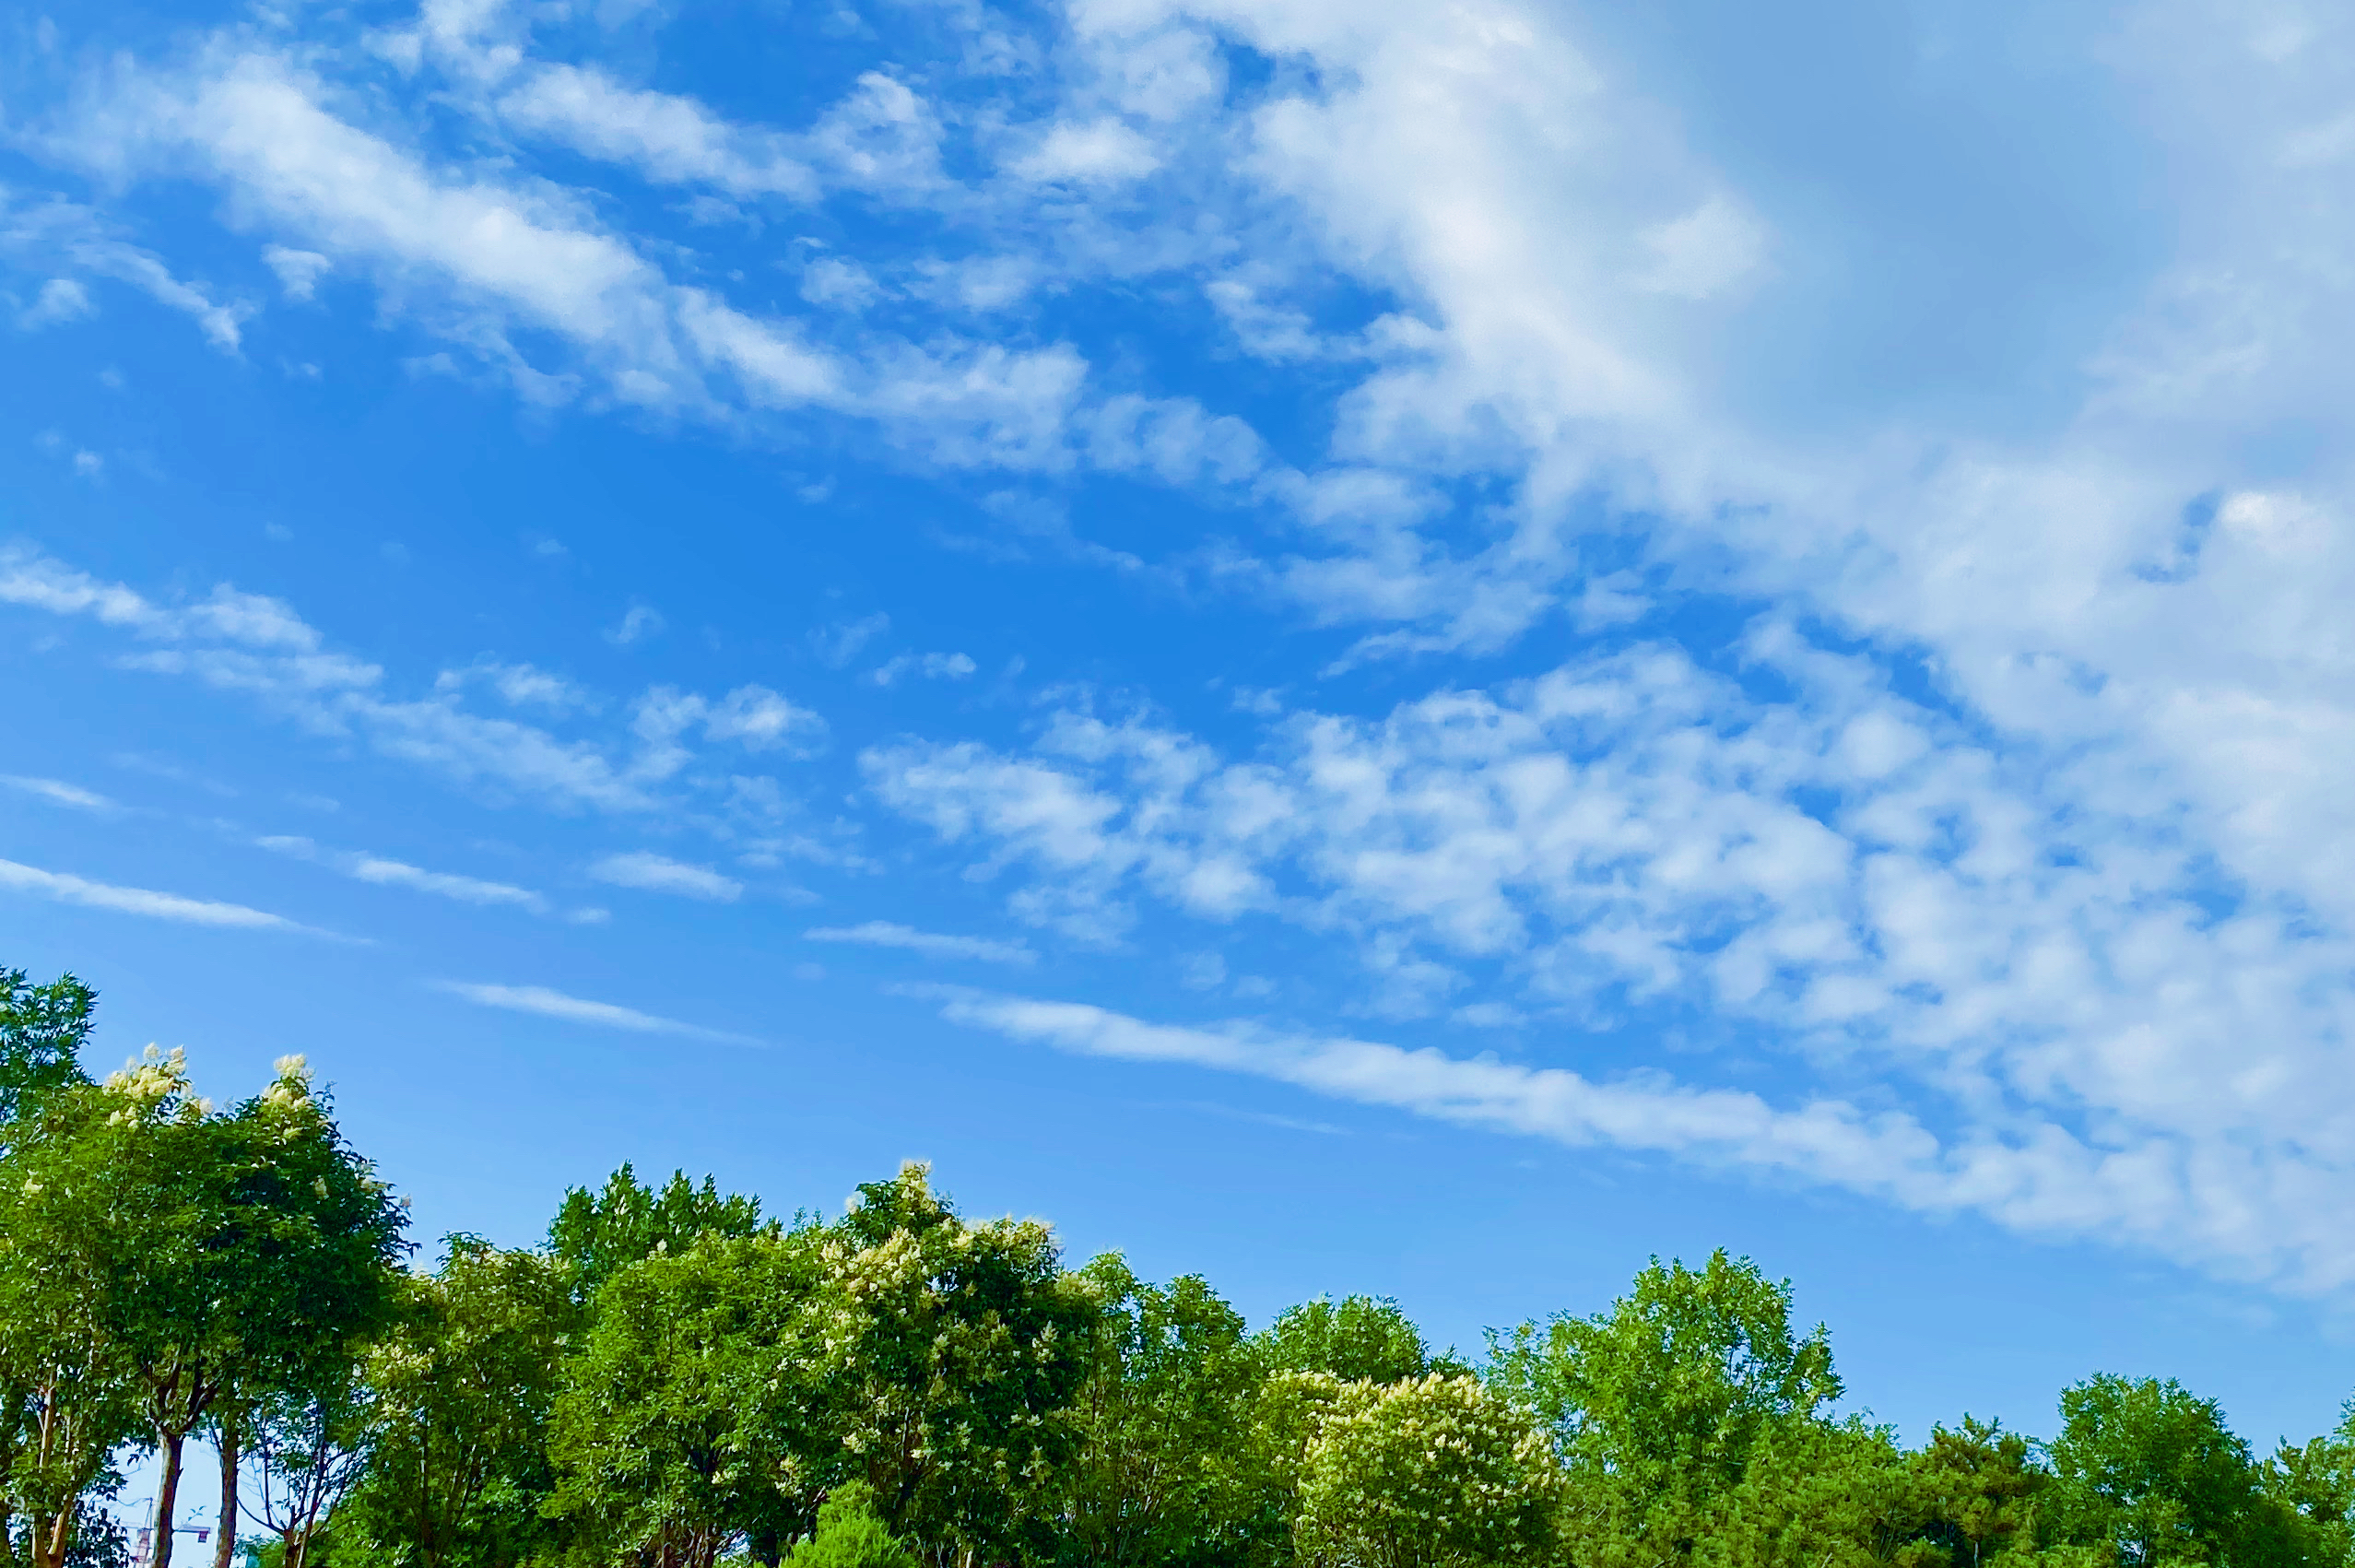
[(1421, 649)]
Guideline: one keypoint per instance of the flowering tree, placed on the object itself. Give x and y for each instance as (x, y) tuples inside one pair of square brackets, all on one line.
[(199, 1256), (951, 1354), (1431, 1472)]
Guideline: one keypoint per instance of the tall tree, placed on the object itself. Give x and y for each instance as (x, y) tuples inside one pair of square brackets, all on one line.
[(598, 1233), (233, 1248), (2313, 1483), (1979, 1487), (954, 1352), (1157, 1475), (57, 1354), (310, 1442), (1657, 1404), (456, 1426), (2152, 1472), (42, 1030), (693, 1417)]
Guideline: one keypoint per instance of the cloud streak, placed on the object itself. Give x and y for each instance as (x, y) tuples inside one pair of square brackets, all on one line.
[(61, 887), (651, 873), (381, 872), (541, 1002), (2045, 1182), (930, 944), (58, 791)]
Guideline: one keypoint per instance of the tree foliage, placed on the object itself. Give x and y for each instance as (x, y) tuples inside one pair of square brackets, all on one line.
[(1435, 1471), (598, 1234)]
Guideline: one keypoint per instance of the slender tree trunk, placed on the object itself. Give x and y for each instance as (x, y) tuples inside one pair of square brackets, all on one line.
[(167, 1498), (51, 1544), (226, 1548)]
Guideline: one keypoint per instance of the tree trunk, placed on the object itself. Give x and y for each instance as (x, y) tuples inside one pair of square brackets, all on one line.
[(226, 1547), (51, 1544), (167, 1498)]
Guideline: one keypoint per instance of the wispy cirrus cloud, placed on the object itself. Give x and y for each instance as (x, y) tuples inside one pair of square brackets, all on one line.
[(58, 791), (260, 647), (383, 872), (61, 887), (930, 944), (2046, 1181), (543, 1002), (651, 873)]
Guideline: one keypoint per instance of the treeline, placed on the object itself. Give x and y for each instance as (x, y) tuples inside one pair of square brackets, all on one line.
[(675, 1380)]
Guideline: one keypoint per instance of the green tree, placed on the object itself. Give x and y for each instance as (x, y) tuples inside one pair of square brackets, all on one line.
[(690, 1419), (953, 1353), (304, 1250), (194, 1253), (2314, 1484), (1657, 1404), (455, 1425), (310, 1442), (1978, 1488), (1357, 1339), (2152, 1472), (598, 1233), (78, 1402), (42, 1030), (851, 1535), (1160, 1473), (1430, 1472), (1819, 1494)]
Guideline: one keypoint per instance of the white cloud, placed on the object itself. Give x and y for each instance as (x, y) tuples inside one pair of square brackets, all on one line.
[(2047, 1182), (58, 231), (672, 139), (250, 643), (518, 685), (544, 1003), (59, 792), (653, 872), (931, 667), (1842, 875), (1704, 253), (65, 887), (384, 872), (837, 644), (60, 299), (642, 622), (298, 271), (760, 719), (931, 944), (1100, 152), (488, 263)]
